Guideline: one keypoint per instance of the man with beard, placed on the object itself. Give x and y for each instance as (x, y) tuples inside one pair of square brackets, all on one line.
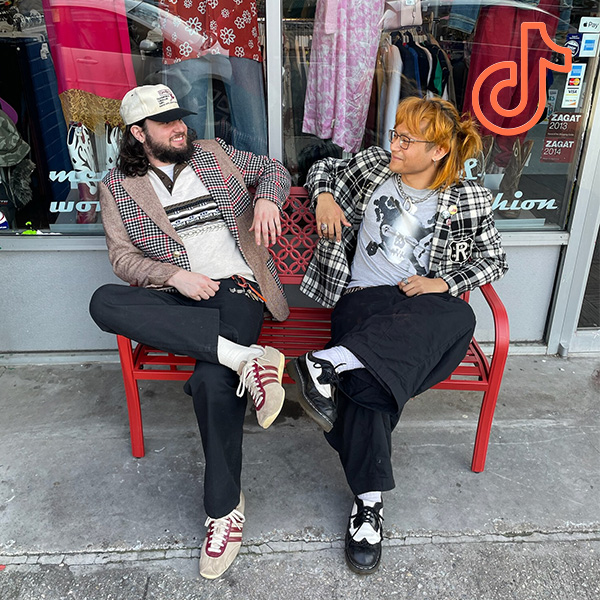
[(184, 232)]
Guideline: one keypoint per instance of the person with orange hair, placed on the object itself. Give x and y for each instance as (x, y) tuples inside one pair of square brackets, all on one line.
[(401, 238)]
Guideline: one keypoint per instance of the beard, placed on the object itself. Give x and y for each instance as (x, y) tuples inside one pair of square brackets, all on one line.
[(169, 155)]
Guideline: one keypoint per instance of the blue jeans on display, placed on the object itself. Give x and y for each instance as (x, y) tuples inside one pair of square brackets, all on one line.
[(243, 79)]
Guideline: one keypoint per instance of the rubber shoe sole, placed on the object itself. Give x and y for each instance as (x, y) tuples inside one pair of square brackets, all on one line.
[(305, 403), (361, 570)]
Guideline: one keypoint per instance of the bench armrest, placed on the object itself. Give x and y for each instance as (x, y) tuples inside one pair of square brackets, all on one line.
[(501, 330)]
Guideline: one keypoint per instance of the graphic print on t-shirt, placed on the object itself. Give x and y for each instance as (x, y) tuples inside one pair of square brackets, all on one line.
[(402, 237)]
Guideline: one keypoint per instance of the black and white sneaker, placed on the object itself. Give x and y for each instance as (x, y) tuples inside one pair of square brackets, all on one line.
[(363, 538), (316, 380)]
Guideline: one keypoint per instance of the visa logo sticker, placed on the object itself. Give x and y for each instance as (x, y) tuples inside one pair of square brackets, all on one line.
[(573, 86)]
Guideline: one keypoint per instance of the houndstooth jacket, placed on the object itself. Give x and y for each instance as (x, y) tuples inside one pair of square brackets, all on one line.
[(144, 248), (465, 249)]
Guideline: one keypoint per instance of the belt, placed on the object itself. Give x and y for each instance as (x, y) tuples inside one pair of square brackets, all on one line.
[(353, 289)]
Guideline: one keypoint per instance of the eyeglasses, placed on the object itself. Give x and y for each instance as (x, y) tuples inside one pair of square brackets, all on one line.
[(404, 140)]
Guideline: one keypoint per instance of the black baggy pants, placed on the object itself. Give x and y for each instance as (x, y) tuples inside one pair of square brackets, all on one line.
[(407, 346), (175, 323)]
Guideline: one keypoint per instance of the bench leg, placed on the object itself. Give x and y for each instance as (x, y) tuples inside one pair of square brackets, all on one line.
[(133, 397), (484, 428)]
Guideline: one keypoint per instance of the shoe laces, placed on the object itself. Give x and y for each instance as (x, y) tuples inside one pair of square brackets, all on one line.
[(367, 515), (218, 529), (250, 380), (328, 374)]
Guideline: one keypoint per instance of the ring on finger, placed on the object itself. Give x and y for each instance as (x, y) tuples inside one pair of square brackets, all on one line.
[(324, 227)]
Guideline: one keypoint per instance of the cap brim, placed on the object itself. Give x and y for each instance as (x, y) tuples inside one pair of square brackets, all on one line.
[(171, 115)]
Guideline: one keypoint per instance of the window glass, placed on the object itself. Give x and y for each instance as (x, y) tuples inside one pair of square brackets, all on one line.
[(66, 64), (347, 64)]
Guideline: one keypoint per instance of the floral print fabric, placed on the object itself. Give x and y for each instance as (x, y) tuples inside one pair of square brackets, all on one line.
[(342, 62), (195, 28)]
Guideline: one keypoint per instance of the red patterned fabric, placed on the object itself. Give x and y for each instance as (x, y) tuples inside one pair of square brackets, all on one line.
[(195, 28)]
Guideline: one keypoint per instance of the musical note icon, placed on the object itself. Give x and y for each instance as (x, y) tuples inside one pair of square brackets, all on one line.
[(513, 80)]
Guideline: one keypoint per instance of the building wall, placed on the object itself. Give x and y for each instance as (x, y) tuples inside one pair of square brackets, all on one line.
[(45, 307)]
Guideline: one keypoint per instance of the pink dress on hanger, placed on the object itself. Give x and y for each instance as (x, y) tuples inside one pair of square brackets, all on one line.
[(342, 62)]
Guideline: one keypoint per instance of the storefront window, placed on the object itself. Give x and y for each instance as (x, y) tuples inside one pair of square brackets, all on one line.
[(66, 64), (347, 64)]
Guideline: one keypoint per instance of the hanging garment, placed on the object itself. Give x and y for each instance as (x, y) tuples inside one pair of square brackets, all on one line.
[(194, 28), (89, 42), (15, 168), (342, 61), (217, 39), (498, 38), (393, 74), (29, 85), (409, 86)]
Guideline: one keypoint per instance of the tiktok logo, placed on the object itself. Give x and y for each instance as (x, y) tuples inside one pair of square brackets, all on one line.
[(513, 81)]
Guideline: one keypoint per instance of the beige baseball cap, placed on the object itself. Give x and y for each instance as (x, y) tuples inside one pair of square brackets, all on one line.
[(154, 102)]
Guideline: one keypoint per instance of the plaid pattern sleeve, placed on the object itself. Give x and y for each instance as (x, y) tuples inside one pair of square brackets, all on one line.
[(351, 182), (468, 253), (140, 253), (345, 179), (267, 175)]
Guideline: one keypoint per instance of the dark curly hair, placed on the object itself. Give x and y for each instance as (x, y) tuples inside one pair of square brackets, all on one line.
[(132, 156)]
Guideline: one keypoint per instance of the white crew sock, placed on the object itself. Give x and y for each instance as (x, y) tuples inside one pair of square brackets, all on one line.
[(232, 355), (371, 497), (341, 358)]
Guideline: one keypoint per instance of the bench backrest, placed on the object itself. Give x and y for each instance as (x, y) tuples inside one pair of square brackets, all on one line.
[(295, 246)]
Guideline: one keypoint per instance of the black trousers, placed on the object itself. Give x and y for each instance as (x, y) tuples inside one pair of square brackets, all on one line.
[(407, 346), (175, 323)]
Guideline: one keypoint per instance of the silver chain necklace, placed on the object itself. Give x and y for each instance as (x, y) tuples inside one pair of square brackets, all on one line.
[(411, 201)]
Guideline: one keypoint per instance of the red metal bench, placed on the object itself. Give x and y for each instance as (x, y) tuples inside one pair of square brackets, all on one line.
[(308, 329)]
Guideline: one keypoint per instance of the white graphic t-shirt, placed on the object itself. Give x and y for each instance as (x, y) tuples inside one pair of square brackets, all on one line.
[(195, 216), (394, 239)]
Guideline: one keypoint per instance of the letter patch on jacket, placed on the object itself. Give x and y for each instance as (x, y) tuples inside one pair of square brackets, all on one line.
[(461, 250)]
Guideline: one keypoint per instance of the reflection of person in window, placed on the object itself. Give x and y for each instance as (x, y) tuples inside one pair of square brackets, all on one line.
[(395, 333)]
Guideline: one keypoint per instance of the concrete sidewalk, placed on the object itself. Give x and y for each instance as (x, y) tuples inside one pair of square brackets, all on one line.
[(81, 518)]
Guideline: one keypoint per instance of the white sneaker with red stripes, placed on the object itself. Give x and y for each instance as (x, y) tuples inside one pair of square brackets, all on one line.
[(261, 377), (223, 542)]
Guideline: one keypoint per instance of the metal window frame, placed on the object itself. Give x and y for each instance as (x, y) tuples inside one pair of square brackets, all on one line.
[(274, 52), (562, 336)]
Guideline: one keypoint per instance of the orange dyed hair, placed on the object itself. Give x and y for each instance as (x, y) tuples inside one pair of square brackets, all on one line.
[(437, 121)]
